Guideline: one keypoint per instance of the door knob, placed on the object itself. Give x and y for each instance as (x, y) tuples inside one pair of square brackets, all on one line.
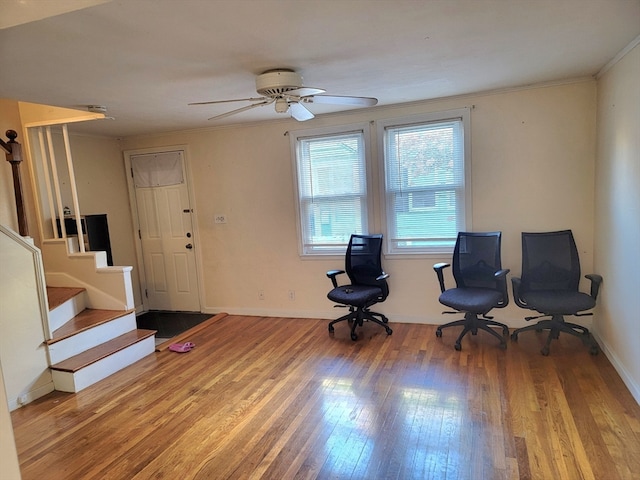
[(189, 246)]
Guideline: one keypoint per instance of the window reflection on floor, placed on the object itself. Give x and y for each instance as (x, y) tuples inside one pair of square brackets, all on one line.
[(412, 430)]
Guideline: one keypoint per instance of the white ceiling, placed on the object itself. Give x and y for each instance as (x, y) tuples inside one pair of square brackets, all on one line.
[(147, 59)]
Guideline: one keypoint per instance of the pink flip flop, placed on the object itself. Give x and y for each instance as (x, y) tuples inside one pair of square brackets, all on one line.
[(181, 347)]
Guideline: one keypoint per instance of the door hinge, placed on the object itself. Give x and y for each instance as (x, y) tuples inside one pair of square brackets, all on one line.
[(146, 293), (131, 172), (139, 235)]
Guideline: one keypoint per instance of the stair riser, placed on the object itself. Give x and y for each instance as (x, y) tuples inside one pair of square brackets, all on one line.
[(76, 381), (65, 312), (93, 337)]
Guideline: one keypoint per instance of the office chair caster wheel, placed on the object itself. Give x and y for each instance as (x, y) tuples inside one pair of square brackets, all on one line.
[(354, 337), (458, 347), (514, 337), (439, 333), (505, 332), (545, 351), (594, 350), (331, 328), (389, 331)]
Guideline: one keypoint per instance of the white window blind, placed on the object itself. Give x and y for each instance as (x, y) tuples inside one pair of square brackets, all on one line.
[(332, 190), (157, 169), (425, 193)]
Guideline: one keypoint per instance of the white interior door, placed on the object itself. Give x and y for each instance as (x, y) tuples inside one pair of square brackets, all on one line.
[(166, 234)]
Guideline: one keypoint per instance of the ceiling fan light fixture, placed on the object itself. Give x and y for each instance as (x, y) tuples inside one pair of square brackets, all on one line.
[(282, 105), (284, 89)]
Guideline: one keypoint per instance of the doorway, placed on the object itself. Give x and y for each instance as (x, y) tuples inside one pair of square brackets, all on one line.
[(166, 241)]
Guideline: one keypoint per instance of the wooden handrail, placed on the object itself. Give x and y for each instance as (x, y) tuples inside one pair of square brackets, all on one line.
[(13, 151)]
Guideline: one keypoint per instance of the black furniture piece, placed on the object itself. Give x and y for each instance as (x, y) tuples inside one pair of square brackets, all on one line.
[(368, 284), (481, 285), (549, 285), (95, 230)]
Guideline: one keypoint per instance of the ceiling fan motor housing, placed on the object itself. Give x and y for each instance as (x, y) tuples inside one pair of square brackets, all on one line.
[(277, 82)]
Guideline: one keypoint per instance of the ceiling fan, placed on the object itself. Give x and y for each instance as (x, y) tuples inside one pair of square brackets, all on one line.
[(284, 89)]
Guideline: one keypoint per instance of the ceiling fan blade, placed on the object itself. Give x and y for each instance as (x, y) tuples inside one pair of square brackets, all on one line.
[(229, 101), (342, 100), (304, 92), (243, 109), (300, 112)]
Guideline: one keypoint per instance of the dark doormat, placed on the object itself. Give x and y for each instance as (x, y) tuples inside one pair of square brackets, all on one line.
[(170, 324)]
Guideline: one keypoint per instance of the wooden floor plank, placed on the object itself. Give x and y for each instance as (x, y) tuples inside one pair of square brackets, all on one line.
[(267, 398)]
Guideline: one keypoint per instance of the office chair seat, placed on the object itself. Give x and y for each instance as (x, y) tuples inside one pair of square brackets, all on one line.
[(474, 300), (356, 295), (559, 302)]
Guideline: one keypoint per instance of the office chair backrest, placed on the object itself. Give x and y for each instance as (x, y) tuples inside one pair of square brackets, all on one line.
[(550, 261), (476, 257), (363, 262)]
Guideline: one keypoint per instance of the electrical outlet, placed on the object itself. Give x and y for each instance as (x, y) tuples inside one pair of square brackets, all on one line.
[(220, 218), (292, 295), (260, 294)]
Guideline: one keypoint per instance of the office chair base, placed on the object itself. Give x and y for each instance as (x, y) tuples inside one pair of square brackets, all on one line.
[(356, 317), (472, 323), (557, 325)]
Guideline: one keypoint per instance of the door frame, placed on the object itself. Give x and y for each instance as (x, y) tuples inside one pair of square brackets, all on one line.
[(136, 221)]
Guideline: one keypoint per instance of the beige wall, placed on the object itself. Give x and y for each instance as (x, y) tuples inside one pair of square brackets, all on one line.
[(617, 232), (102, 188), (533, 157)]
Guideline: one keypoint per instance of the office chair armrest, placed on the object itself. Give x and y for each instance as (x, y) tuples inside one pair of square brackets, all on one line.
[(501, 273), (439, 267), (332, 274), (501, 280), (384, 276), (596, 280), (515, 283)]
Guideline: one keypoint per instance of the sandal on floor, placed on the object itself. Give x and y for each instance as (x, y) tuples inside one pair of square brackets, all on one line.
[(181, 347)]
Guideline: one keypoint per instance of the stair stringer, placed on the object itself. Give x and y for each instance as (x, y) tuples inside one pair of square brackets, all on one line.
[(108, 288)]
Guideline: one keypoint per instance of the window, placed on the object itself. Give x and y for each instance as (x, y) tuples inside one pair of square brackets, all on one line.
[(331, 187), (426, 187)]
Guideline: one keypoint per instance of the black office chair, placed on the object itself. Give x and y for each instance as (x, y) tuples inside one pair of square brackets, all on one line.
[(481, 285), (368, 284), (549, 285)]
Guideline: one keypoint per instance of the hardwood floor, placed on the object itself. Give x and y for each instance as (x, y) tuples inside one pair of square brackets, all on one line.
[(278, 398)]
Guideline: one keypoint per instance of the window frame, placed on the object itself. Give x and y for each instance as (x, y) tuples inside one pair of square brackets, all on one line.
[(308, 250), (388, 219)]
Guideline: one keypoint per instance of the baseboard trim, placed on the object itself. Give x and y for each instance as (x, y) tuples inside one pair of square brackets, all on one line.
[(633, 387)]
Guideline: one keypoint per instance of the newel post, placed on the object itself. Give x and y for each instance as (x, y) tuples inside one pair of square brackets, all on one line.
[(13, 152)]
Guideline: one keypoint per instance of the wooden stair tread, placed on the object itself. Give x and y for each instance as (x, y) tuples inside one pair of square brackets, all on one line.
[(85, 320), (95, 354), (58, 295)]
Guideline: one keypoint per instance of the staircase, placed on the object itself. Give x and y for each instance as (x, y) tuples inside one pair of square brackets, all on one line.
[(88, 345)]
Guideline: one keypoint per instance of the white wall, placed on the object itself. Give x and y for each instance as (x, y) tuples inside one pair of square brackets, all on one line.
[(8, 452), (22, 349), (617, 227), (533, 157)]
